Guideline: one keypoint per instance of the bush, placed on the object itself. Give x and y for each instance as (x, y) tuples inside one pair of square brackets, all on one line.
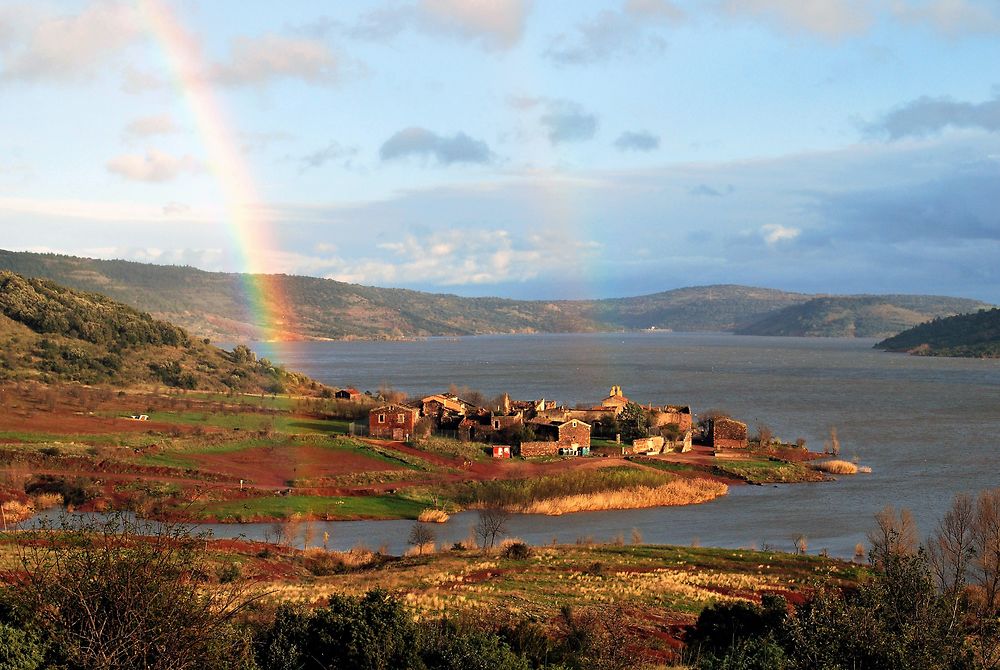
[(369, 633), (19, 649), (118, 593), (518, 551)]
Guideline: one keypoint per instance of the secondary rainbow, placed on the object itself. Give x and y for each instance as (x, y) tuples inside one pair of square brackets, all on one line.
[(250, 228)]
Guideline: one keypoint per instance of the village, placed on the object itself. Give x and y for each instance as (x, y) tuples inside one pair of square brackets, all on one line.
[(545, 428)]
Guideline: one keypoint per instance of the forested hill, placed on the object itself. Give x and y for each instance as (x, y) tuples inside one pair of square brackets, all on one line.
[(970, 335), (51, 333), (859, 316), (213, 304)]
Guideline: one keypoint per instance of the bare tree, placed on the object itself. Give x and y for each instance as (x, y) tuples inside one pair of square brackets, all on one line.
[(986, 540), (492, 522), (420, 536), (895, 534), (950, 550), (308, 534), (832, 446), (764, 434)]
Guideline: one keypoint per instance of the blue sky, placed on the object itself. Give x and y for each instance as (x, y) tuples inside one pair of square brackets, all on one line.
[(528, 149)]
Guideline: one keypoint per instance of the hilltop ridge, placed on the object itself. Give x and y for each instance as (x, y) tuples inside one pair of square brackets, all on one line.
[(214, 304)]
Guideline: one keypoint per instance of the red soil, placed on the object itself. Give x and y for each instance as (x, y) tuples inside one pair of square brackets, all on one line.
[(267, 467)]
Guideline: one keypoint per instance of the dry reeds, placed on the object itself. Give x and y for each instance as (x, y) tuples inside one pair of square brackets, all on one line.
[(678, 492), (422, 549), (47, 500), (836, 467), (431, 515), (15, 511)]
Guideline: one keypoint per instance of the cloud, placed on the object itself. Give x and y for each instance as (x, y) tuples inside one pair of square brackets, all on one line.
[(926, 116), (711, 192), (148, 126), (493, 24), (331, 152), (155, 166), (413, 141), (951, 17), (833, 19), (839, 19), (465, 257), (614, 32), (43, 46), (773, 233), (269, 57), (567, 121), (174, 208), (640, 140)]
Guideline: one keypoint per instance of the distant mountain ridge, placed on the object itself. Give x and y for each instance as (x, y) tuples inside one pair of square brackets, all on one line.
[(966, 335), (213, 304), (858, 316)]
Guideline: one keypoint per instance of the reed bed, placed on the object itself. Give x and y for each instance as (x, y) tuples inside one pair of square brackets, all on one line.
[(837, 467), (431, 515), (678, 492)]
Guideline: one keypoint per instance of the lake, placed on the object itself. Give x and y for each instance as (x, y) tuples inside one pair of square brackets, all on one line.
[(927, 426)]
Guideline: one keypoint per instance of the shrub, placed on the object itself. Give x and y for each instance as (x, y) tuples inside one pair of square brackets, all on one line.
[(117, 593), (19, 649), (516, 550)]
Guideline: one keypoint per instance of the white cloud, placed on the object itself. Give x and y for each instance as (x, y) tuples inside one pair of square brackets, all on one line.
[(148, 126), (773, 233), (494, 24), (154, 166), (259, 60), (43, 46), (951, 17), (467, 258), (459, 148), (614, 32), (829, 18)]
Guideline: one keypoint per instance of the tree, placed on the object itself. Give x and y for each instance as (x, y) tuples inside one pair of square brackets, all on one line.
[(633, 422), (986, 542), (492, 522), (420, 536), (120, 593), (764, 434), (895, 534)]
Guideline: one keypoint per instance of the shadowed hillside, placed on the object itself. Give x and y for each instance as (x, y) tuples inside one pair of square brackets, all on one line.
[(50, 333), (858, 316), (969, 335)]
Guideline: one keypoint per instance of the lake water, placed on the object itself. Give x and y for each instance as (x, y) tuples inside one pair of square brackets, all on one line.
[(929, 427)]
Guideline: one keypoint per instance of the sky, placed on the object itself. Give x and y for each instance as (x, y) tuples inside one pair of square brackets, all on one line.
[(521, 148)]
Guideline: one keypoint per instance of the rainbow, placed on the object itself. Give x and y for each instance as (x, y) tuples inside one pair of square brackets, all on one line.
[(267, 303)]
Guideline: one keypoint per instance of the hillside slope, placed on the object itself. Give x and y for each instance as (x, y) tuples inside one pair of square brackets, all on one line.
[(50, 333), (214, 304), (969, 335), (859, 316)]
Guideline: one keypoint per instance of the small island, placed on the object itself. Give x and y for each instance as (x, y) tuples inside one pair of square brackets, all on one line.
[(975, 335)]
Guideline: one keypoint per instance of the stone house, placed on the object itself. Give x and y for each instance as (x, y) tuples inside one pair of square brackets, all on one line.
[(555, 435), (729, 433), (393, 421)]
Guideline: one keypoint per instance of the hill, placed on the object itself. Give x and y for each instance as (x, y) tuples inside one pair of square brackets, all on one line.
[(214, 304), (970, 335), (858, 316), (51, 333)]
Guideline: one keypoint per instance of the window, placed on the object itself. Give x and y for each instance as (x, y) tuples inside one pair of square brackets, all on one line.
[(400, 418), (496, 424), (381, 418), (574, 424)]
